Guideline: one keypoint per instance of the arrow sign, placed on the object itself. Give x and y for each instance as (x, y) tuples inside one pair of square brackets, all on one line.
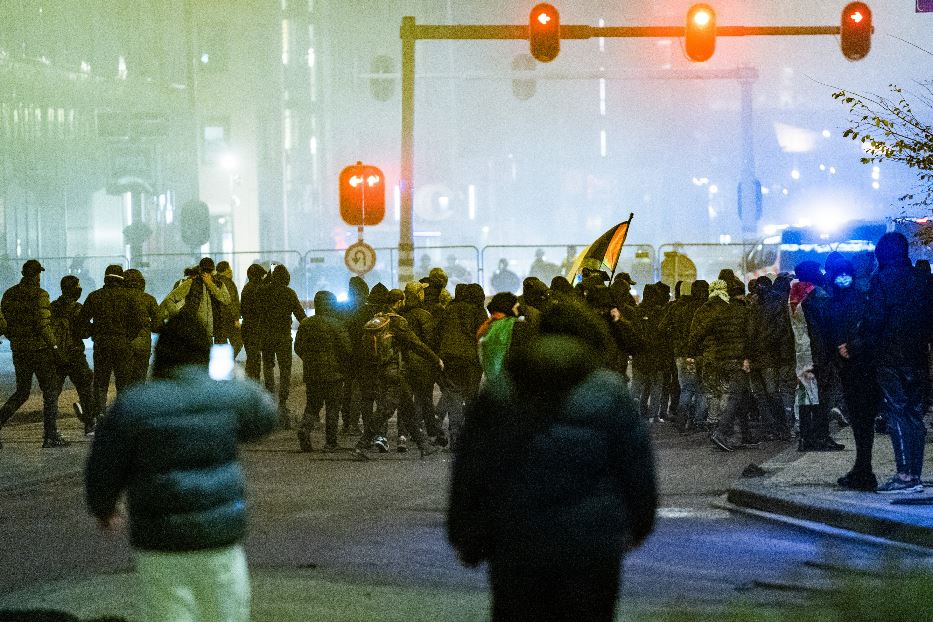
[(360, 258)]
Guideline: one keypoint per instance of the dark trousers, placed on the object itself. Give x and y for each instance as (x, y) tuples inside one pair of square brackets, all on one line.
[(111, 357), (904, 390), (326, 394), (461, 382), (79, 372), (278, 350), (773, 388), (389, 391), (41, 364), (139, 368), (421, 382), (555, 595), (253, 358), (863, 400)]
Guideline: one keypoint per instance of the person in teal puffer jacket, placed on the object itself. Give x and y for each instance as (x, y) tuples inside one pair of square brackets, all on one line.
[(172, 446)]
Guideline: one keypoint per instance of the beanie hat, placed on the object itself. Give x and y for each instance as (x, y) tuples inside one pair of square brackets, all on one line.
[(892, 248), (809, 272), (719, 289), (502, 302)]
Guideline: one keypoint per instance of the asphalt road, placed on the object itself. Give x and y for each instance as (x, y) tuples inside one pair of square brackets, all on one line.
[(328, 517)]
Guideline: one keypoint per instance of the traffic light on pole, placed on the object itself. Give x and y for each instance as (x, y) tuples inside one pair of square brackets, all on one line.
[(544, 32), (856, 30), (362, 195), (700, 34)]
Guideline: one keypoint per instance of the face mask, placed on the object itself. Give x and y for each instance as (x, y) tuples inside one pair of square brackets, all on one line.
[(843, 280)]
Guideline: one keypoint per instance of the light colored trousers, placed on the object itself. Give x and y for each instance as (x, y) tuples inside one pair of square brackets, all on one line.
[(194, 586)]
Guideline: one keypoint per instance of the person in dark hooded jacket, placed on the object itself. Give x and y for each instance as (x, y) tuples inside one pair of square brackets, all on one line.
[(859, 383), (649, 367), (457, 347), (773, 359), (896, 332), (358, 293), (252, 311), (279, 303), (553, 480), (323, 345), (421, 373), (675, 325)]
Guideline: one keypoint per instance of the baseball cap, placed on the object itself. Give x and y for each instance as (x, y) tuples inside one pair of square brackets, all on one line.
[(32, 267), (114, 271), (394, 296), (412, 288)]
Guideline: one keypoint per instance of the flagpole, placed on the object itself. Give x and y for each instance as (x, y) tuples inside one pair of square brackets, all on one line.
[(628, 226)]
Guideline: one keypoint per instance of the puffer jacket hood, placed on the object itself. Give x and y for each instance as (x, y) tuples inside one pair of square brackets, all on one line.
[(359, 290), (551, 364)]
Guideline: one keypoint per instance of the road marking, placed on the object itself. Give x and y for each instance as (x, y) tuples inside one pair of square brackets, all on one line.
[(695, 513)]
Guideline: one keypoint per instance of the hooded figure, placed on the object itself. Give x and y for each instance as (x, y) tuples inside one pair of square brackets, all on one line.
[(323, 345), (896, 333), (279, 304), (495, 334), (809, 315), (199, 296), (553, 481), (252, 311)]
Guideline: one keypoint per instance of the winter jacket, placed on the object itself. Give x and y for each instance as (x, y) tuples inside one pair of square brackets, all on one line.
[(719, 331), (172, 445), (323, 344), (404, 342), (816, 309), (898, 321), (193, 295), (647, 326), (495, 339), (66, 326), (230, 312), (771, 337), (423, 324), (28, 314), (675, 323), (251, 310), (554, 468), (456, 332), (278, 303)]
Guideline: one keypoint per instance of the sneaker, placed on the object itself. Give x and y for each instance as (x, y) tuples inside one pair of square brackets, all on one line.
[(381, 445), (54, 441), (720, 441), (402, 445), (856, 481), (896, 485), (304, 442)]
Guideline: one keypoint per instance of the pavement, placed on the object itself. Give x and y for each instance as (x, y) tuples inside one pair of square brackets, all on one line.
[(802, 486)]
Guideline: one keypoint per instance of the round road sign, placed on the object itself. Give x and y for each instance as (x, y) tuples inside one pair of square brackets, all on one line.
[(360, 258)]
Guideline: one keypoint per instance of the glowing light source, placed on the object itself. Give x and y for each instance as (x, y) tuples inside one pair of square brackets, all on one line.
[(857, 17), (544, 18), (702, 18), (795, 174)]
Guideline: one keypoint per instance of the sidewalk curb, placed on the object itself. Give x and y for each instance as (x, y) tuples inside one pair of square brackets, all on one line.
[(759, 496)]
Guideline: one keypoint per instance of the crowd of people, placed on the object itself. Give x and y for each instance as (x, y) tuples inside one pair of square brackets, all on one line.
[(775, 360)]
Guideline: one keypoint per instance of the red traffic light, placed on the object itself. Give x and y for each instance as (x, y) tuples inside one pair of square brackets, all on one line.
[(700, 34), (362, 195), (855, 36), (544, 32)]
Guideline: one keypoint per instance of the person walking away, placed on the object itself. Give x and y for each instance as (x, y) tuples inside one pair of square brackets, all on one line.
[(36, 352), (386, 340), (112, 317), (648, 367), (171, 445), (72, 364), (251, 311), (896, 331), (323, 345), (774, 358), (553, 479), (421, 373), (279, 304), (230, 313), (495, 335), (141, 345), (858, 375), (719, 334), (809, 310), (691, 409), (353, 319), (457, 347)]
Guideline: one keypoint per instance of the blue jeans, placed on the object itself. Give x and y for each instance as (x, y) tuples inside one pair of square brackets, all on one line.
[(904, 391), (692, 405)]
